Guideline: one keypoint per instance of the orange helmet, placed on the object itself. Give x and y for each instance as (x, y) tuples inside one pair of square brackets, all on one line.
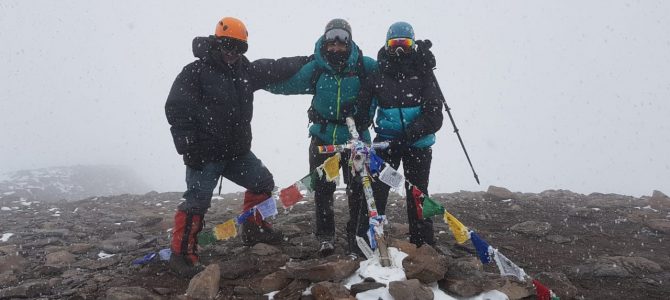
[(232, 28)]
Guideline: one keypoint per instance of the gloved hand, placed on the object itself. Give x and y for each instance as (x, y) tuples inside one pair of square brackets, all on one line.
[(397, 144), (424, 56)]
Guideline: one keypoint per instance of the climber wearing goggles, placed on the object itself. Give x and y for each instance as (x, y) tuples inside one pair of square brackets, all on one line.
[(399, 46)]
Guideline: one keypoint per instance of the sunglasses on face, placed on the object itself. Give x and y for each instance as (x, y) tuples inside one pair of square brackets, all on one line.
[(399, 45)]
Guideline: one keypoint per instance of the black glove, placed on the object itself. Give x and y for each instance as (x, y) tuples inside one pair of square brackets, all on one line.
[(424, 56), (397, 144)]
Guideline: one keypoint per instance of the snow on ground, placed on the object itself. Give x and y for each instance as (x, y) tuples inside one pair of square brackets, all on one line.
[(5, 237), (372, 268), (5, 208)]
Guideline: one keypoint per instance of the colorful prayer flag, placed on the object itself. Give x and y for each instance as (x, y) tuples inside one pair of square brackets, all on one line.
[(376, 163), (290, 196), (225, 230), (457, 228), (417, 195), (332, 167), (507, 267), (541, 291), (431, 208), (243, 217), (391, 177), (482, 247), (308, 182), (206, 238), (267, 208)]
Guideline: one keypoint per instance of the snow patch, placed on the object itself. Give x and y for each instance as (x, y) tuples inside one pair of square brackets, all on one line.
[(103, 255), (5, 208), (5, 237)]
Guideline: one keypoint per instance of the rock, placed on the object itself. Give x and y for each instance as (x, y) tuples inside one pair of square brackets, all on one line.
[(98, 264), (661, 225), (468, 285), (245, 265), (498, 193), (558, 239), (119, 245), (403, 245), (127, 235), (559, 283), (618, 266), (365, 286), (205, 285), (130, 293), (326, 290), (515, 289), (8, 279), (659, 200), (469, 265), (293, 290), (425, 265), (264, 249), (80, 248), (410, 290), (60, 232), (274, 281), (11, 263), (533, 228), (60, 259), (332, 268), (29, 289)]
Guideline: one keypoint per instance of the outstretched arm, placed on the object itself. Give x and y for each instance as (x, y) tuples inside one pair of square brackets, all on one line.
[(299, 83), (265, 72)]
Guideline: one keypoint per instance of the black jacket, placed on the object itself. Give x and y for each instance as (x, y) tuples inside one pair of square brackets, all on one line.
[(401, 84), (210, 105)]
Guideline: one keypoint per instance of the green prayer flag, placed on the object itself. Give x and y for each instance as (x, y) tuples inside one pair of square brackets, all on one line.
[(431, 208), (206, 238), (308, 182)]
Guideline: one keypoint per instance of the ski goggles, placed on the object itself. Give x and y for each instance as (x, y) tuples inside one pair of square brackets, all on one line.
[(337, 35), (400, 44), (231, 47)]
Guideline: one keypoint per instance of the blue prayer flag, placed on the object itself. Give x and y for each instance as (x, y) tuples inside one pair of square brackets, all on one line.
[(482, 248), (376, 163)]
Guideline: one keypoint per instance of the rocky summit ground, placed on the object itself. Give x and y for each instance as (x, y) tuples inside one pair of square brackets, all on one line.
[(597, 246)]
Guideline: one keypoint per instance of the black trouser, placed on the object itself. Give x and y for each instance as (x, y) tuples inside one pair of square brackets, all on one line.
[(323, 197), (416, 163)]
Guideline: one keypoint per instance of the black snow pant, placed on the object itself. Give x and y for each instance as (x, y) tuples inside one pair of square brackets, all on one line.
[(416, 163), (323, 198)]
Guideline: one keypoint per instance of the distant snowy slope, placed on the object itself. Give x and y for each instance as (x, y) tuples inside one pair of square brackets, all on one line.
[(70, 183)]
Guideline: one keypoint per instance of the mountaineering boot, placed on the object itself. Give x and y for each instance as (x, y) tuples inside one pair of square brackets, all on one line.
[(327, 248), (254, 229), (184, 260), (354, 251)]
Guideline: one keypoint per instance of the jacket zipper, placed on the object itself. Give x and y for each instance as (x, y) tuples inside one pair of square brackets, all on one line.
[(337, 115)]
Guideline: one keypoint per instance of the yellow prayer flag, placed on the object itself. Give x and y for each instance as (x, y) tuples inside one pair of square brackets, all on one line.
[(332, 167), (457, 228), (225, 230)]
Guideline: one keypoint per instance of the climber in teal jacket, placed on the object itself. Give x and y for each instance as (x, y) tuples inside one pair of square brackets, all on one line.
[(334, 77)]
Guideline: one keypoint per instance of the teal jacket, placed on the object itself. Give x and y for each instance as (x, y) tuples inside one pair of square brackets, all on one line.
[(335, 93)]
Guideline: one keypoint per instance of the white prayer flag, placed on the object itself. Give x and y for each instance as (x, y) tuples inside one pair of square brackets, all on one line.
[(507, 267), (267, 208), (392, 177)]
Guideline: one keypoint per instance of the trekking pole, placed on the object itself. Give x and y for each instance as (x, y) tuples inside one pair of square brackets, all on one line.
[(448, 110)]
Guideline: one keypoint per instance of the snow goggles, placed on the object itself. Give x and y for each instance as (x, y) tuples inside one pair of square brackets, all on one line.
[(231, 47), (400, 44), (337, 35)]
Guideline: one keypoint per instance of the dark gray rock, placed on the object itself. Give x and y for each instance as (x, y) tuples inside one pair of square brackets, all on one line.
[(410, 290)]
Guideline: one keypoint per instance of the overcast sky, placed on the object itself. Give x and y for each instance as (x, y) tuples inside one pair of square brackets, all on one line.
[(547, 94)]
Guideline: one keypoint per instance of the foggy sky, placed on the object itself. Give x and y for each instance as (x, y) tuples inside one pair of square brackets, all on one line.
[(547, 94)]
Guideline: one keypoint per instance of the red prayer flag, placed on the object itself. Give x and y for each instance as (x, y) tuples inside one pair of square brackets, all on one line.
[(290, 196), (417, 194), (542, 291)]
